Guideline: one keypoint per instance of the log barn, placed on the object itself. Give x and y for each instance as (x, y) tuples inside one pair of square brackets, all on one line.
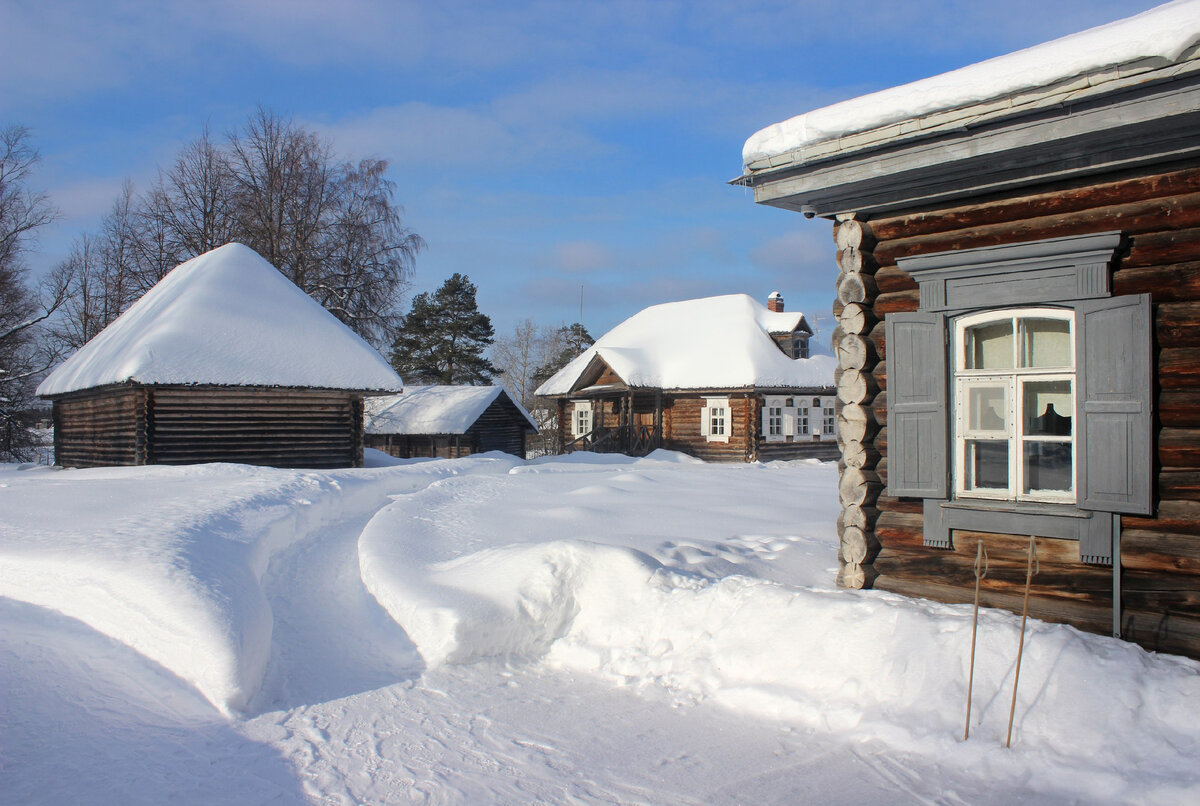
[(722, 378), (224, 360), (447, 422), (1018, 296)]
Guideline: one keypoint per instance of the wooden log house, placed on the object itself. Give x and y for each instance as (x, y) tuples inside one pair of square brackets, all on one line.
[(224, 360), (722, 378), (447, 422), (1018, 295)]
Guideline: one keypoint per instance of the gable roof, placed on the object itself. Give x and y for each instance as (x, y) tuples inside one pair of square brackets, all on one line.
[(229, 318), (435, 409), (711, 343), (1064, 71)]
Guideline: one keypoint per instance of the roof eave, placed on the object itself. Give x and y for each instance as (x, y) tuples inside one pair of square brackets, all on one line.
[(1145, 119)]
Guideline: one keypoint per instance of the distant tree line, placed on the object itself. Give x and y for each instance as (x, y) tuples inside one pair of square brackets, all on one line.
[(331, 227)]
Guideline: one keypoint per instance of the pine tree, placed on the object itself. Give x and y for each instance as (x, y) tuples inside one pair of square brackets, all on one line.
[(443, 338), (568, 342)]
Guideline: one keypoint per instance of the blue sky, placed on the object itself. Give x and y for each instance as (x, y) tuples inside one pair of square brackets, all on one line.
[(537, 146)]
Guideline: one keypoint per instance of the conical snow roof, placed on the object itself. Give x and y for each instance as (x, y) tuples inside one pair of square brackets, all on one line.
[(226, 317)]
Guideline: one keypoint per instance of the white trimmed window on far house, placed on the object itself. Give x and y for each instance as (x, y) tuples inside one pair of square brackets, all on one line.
[(779, 418), (581, 418), (828, 417), (716, 424)]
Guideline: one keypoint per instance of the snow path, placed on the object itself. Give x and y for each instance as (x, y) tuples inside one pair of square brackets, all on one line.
[(330, 639), (653, 631)]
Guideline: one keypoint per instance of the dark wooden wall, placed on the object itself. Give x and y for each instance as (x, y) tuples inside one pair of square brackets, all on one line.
[(96, 428), (1160, 555), (501, 427), (257, 426), (175, 425), (422, 446)]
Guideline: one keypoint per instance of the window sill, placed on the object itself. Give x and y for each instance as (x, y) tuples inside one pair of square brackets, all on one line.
[(1028, 507)]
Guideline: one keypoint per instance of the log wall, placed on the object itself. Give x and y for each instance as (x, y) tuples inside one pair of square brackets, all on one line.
[(881, 536), (417, 446), (257, 426), (192, 424), (98, 428)]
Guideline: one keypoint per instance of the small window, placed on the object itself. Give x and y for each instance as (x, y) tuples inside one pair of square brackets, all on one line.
[(778, 419), (828, 418), (800, 347), (1014, 402), (581, 420), (715, 422)]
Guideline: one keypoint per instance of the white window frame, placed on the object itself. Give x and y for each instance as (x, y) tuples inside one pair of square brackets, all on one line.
[(828, 417), (716, 419), (582, 412), (1013, 382), (779, 419)]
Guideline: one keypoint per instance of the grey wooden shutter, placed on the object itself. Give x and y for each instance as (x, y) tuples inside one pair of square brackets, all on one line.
[(1113, 404), (917, 405)]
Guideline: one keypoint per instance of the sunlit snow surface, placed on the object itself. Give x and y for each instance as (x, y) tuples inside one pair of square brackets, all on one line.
[(486, 630)]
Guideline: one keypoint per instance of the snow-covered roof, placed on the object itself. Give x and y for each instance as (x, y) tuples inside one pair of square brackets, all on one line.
[(226, 317), (711, 343), (434, 409), (1079, 63)]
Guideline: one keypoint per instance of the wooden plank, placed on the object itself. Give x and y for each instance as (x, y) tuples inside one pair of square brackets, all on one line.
[(1178, 282), (897, 302), (1179, 368), (1143, 219), (1179, 408), (1082, 195), (1177, 324), (1179, 448), (1172, 516)]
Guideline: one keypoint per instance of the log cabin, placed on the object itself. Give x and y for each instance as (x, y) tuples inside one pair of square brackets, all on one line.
[(447, 422), (1018, 302), (722, 378), (223, 360)]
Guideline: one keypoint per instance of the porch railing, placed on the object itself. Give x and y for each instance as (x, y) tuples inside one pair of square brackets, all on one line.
[(636, 440)]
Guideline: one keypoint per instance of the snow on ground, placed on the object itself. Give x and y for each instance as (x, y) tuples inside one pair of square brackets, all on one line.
[(577, 630)]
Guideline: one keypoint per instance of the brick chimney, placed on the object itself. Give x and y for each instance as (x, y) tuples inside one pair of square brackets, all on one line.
[(775, 302)]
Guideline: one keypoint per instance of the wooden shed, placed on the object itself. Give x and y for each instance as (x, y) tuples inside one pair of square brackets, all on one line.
[(447, 422), (224, 360), (721, 378), (1019, 324)]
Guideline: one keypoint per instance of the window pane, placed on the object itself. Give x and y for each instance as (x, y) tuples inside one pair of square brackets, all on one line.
[(987, 408), (990, 346), (1048, 408), (1048, 466), (987, 465), (1047, 343)]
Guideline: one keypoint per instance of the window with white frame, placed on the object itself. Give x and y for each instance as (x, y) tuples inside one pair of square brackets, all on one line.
[(1014, 402), (778, 419), (715, 421), (581, 419), (828, 417)]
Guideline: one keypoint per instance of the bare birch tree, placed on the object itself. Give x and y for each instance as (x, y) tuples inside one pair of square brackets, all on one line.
[(22, 311)]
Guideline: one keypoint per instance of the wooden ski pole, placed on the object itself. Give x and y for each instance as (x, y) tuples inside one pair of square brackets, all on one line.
[(980, 573), (1031, 568)]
